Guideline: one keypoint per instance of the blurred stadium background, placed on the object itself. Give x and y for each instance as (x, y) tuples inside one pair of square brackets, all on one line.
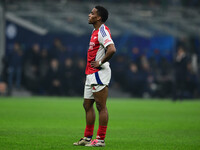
[(43, 46)]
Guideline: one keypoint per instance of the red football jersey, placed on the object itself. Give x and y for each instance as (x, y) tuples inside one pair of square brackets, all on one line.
[(100, 39)]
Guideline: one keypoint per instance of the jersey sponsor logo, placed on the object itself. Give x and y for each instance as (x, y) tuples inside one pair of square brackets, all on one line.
[(106, 41), (91, 45)]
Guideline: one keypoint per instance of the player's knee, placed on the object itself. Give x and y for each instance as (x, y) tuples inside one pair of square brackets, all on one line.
[(86, 106), (100, 107)]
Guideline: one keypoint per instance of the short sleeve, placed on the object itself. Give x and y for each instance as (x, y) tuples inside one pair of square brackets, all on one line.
[(104, 37)]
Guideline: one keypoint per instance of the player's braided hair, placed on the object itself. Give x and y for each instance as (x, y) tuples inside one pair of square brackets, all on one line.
[(102, 12)]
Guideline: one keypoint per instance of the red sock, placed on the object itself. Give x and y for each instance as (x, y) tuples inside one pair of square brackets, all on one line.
[(89, 131), (101, 133)]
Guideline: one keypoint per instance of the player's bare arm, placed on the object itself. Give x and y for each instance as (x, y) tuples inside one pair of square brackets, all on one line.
[(109, 53)]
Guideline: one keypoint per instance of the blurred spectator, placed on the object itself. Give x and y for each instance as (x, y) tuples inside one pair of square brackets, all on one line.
[(59, 51), (44, 62), (135, 81), (15, 66), (33, 56), (135, 55), (157, 55), (79, 76), (31, 69), (119, 68), (165, 79), (4, 73), (68, 77), (154, 59), (4, 77), (191, 82), (149, 78), (43, 69), (3, 88), (180, 74), (54, 77)]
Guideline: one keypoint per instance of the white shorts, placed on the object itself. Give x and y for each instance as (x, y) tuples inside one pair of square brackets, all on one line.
[(97, 81)]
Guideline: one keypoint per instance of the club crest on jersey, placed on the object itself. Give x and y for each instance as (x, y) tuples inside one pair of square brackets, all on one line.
[(91, 45), (93, 88)]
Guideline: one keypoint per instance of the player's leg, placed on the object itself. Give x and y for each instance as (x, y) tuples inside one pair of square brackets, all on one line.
[(90, 117), (100, 99)]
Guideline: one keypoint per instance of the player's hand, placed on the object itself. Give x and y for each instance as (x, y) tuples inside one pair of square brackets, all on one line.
[(95, 64)]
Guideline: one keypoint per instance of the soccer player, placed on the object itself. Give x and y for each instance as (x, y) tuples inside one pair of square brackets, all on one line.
[(98, 74)]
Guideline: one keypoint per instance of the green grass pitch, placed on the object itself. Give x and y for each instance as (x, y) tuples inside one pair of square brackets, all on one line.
[(44, 123)]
